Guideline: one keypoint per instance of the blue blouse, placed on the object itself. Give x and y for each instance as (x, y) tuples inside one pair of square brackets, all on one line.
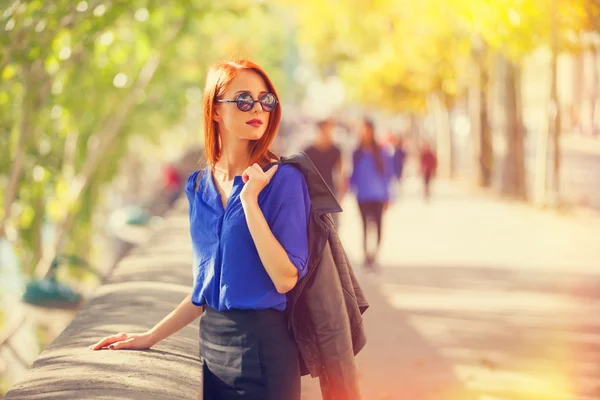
[(366, 181), (228, 273)]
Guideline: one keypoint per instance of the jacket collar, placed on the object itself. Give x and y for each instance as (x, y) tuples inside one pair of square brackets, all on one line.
[(321, 198)]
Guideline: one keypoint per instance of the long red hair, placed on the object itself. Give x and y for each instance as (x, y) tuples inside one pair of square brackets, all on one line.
[(218, 78)]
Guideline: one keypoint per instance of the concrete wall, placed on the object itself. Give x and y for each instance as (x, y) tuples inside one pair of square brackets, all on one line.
[(143, 288)]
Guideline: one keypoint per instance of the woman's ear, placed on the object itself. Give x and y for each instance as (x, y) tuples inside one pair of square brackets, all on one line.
[(216, 115)]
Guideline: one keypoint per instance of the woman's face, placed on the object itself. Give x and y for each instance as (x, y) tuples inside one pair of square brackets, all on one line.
[(236, 124), (367, 134)]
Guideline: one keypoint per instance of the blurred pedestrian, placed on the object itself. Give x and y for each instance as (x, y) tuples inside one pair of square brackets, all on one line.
[(399, 157), (172, 183), (371, 177), (327, 157), (428, 163)]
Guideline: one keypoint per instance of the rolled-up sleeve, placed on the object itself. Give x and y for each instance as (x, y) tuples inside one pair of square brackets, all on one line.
[(290, 224)]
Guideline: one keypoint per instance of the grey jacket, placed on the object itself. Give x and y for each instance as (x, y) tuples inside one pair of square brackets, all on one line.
[(325, 308)]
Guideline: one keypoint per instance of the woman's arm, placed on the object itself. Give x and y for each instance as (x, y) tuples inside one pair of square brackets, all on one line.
[(184, 313), (272, 254), (283, 246)]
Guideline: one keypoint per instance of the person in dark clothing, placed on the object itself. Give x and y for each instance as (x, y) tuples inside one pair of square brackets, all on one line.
[(399, 158), (327, 157), (371, 177), (428, 162)]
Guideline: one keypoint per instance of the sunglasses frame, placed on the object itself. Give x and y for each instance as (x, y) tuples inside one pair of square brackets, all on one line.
[(237, 101)]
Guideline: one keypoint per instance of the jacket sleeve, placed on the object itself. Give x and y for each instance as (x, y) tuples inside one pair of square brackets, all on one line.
[(328, 309)]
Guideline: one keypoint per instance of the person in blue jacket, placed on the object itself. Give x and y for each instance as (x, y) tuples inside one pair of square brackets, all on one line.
[(372, 174), (249, 232)]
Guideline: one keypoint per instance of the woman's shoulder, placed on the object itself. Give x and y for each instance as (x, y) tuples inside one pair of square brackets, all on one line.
[(288, 178), (194, 180), (287, 173)]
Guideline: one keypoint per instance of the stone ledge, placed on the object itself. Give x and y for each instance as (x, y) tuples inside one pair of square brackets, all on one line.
[(144, 287)]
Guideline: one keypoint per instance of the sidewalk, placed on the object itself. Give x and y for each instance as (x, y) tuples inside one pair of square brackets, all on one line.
[(477, 298)]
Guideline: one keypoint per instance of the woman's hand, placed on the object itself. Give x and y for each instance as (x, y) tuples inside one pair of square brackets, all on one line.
[(125, 341), (255, 180)]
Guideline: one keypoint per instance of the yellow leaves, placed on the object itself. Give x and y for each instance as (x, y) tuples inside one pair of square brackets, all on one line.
[(27, 216), (52, 65), (391, 50), (119, 55), (9, 72), (61, 45), (57, 206)]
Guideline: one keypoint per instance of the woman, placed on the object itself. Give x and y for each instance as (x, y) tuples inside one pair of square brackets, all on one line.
[(250, 242), (371, 177)]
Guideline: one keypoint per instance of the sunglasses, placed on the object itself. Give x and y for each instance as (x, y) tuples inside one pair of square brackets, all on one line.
[(245, 102)]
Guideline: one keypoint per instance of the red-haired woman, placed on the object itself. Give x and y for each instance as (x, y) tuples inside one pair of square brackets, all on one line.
[(250, 245)]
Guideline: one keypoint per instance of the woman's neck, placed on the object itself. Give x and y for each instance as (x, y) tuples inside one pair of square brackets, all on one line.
[(324, 142), (368, 146), (235, 158)]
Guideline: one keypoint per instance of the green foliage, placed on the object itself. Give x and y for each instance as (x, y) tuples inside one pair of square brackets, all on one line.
[(67, 69)]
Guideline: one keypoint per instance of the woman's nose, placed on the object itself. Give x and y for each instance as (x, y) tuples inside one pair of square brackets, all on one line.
[(256, 107)]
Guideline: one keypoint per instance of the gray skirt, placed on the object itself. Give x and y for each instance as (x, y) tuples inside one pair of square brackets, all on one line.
[(249, 355)]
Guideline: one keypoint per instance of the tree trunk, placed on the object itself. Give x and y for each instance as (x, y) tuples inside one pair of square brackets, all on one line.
[(39, 205), (443, 133), (555, 116), (594, 91), (593, 21), (450, 143), (513, 174), (25, 129), (486, 149), (483, 152), (414, 129)]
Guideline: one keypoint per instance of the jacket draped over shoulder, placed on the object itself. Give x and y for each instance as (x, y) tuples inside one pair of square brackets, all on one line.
[(325, 308)]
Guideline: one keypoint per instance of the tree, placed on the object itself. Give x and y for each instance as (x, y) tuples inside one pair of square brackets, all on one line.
[(397, 55), (84, 77)]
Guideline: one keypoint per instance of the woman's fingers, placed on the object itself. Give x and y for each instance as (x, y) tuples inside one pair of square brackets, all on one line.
[(125, 344), (271, 172), (248, 173), (107, 341), (256, 172)]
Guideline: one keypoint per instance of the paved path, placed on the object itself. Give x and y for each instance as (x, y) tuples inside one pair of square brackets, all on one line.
[(479, 299)]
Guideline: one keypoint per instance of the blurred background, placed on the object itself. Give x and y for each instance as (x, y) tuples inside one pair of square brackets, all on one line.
[(101, 121)]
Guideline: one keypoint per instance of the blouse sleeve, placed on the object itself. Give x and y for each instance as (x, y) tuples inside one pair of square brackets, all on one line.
[(190, 186), (290, 224)]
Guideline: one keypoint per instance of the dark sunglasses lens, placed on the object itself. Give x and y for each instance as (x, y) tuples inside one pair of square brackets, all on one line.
[(268, 102), (245, 102)]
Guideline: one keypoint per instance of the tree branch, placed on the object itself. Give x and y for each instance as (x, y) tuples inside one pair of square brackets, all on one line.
[(108, 133), (19, 157)]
